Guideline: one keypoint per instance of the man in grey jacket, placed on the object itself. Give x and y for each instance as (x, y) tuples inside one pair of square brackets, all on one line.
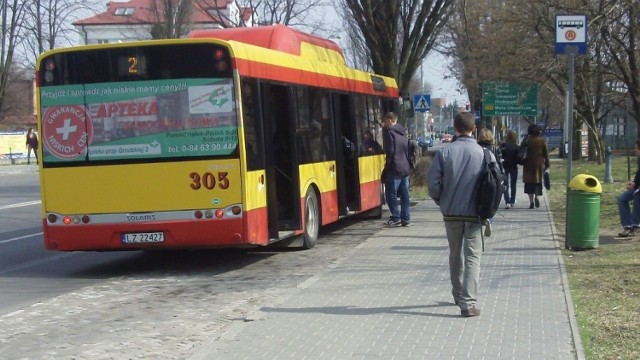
[(451, 180)]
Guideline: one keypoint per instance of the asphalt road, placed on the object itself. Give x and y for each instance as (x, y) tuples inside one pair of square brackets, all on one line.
[(96, 304)]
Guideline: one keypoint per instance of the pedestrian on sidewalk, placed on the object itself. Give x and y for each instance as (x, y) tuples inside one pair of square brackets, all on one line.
[(537, 163), (396, 170), (32, 145), (509, 152), (630, 219), (451, 180), (487, 141)]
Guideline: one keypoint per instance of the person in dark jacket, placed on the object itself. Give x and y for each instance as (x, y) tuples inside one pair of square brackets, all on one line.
[(509, 151), (396, 170), (630, 219), (32, 145), (536, 164), (487, 141)]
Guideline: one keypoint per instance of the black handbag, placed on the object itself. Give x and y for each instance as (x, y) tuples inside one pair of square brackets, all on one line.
[(521, 156), (547, 180)]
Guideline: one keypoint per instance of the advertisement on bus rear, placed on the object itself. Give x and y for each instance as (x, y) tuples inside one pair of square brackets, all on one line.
[(137, 120)]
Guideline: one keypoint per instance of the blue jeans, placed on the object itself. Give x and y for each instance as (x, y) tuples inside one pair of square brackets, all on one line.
[(510, 182), (395, 186), (629, 218)]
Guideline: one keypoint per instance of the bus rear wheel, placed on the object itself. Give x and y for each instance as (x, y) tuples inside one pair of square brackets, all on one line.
[(311, 220)]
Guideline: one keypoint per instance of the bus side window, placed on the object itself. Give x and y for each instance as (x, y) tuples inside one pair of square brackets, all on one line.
[(320, 126), (252, 125)]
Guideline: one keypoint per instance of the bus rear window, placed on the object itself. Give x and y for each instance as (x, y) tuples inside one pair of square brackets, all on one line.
[(137, 103), (135, 63)]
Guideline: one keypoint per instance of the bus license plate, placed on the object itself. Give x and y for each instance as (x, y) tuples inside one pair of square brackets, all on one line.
[(143, 238)]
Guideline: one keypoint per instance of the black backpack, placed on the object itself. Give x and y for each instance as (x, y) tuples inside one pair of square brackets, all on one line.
[(490, 188)]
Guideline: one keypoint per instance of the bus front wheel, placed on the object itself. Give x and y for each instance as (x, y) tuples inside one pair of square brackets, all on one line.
[(311, 220)]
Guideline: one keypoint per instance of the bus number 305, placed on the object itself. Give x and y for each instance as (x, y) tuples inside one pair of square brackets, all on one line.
[(208, 180)]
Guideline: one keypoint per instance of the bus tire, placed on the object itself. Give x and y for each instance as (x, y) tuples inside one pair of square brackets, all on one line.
[(311, 219)]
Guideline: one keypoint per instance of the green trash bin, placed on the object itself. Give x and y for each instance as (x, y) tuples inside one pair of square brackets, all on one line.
[(583, 218)]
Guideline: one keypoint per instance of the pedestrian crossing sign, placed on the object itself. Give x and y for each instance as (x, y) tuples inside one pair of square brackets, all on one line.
[(422, 103)]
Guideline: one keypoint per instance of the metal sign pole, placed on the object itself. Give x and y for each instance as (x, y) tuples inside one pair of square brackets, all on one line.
[(569, 127), (571, 39)]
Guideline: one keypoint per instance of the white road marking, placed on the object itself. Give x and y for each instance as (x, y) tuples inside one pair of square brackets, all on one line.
[(28, 203), (20, 238)]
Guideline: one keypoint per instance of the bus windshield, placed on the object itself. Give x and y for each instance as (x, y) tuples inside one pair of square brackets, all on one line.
[(132, 104)]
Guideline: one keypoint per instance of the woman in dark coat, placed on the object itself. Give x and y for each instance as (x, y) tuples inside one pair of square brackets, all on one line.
[(537, 163), (509, 152)]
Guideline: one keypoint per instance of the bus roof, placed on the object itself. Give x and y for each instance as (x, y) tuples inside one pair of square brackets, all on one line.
[(276, 37), (281, 53)]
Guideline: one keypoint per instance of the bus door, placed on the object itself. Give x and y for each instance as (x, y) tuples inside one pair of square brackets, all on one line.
[(283, 180), (348, 174)]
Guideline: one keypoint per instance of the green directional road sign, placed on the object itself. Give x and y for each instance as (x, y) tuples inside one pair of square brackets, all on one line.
[(505, 98)]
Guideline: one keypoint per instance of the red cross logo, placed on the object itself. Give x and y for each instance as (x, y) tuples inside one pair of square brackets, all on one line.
[(67, 131)]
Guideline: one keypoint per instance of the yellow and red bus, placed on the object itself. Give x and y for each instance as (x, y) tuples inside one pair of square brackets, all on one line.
[(228, 138)]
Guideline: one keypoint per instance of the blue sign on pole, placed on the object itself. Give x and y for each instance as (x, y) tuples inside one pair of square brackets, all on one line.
[(422, 103), (571, 34), (554, 137)]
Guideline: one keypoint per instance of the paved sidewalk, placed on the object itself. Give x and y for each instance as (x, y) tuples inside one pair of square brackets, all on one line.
[(391, 299)]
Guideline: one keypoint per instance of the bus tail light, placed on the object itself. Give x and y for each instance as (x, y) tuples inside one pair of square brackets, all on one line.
[(68, 219), (198, 214), (219, 213), (208, 214), (235, 210)]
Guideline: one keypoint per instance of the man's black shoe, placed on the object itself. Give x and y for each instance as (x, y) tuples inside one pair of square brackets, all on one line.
[(470, 312)]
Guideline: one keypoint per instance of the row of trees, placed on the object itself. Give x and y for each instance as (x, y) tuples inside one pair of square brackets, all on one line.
[(514, 41), (388, 37), (30, 27), (172, 16), (492, 40)]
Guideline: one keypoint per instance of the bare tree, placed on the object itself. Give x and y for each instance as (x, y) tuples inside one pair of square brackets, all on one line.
[(621, 37), (171, 18), (224, 12), (513, 41), (304, 14), (47, 25), (12, 12), (354, 45), (398, 35)]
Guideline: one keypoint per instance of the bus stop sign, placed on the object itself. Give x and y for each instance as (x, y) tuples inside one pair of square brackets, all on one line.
[(571, 34)]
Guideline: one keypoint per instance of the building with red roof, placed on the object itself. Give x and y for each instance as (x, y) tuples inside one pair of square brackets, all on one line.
[(135, 19)]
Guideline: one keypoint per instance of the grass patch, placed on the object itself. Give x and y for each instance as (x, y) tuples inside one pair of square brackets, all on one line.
[(604, 282)]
